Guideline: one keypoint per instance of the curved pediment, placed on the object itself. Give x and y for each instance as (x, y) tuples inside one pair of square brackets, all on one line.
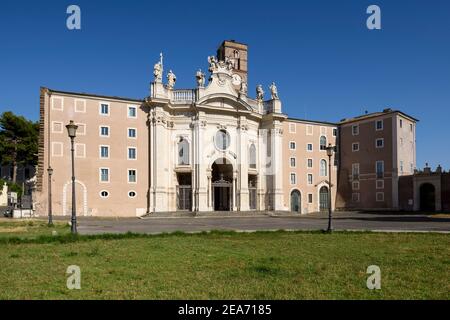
[(224, 101)]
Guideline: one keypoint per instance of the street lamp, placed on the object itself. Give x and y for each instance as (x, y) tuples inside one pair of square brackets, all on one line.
[(50, 218), (72, 132), (330, 150)]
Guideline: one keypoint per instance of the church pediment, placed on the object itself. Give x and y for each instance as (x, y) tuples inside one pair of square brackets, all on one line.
[(224, 101)]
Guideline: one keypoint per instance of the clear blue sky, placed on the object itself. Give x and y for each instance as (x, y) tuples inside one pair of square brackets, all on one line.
[(326, 63)]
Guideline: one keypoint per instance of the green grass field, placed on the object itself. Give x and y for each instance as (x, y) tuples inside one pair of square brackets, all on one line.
[(218, 265)]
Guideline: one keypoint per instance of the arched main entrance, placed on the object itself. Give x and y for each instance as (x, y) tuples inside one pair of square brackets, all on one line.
[(296, 201), (427, 197), (222, 185), (323, 199)]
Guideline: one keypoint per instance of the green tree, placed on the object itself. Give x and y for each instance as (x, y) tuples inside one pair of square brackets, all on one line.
[(18, 141)]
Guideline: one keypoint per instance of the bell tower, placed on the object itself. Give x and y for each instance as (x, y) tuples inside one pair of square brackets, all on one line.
[(239, 53)]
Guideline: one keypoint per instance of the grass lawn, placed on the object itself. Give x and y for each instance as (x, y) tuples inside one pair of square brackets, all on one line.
[(271, 265)]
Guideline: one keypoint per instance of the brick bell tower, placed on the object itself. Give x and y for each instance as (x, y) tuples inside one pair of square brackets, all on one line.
[(239, 53)]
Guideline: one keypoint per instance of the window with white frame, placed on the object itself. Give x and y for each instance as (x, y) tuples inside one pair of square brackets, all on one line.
[(293, 178), (292, 145), (310, 179), (132, 194), (309, 130), (104, 152), (380, 184), (380, 169), (132, 133), (411, 127), (355, 197), (293, 162), (80, 106), (355, 171), (309, 163), (355, 146), (252, 156), (132, 176), (104, 194), (132, 153), (183, 152), (323, 168), (355, 129), (379, 143), (309, 147), (323, 143), (104, 175), (81, 129), (379, 125), (104, 109), (57, 149), (310, 198), (132, 112), (58, 103), (334, 132), (80, 150), (380, 196), (292, 128), (104, 131), (57, 127), (355, 185), (401, 123)]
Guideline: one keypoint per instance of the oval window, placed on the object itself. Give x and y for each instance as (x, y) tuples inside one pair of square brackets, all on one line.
[(104, 194), (132, 194), (222, 140)]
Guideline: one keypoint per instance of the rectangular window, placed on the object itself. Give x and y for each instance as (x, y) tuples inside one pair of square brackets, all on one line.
[(104, 131), (355, 197), (411, 168), (80, 106), (57, 149), (292, 128), (104, 152), (57, 127), (80, 150), (355, 130), (379, 125), (132, 154), (380, 169), (310, 179), (401, 123), (355, 185), (293, 178), (310, 163), (379, 143), (309, 147), (334, 132), (355, 146), (401, 167), (81, 129), (132, 112), (293, 164), (380, 184), (309, 130), (355, 171), (58, 103), (104, 175), (292, 145), (131, 133), (132, 176), (310, 198), (380, 196), (104, 109), (411, 127)]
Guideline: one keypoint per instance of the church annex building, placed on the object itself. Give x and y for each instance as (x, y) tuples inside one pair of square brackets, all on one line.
[(215, 148)]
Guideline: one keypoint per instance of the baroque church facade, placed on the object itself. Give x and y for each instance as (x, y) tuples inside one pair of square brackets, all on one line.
[(212, 148)]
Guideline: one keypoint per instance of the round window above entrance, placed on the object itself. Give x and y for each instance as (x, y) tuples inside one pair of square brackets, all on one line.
[(222, 140)]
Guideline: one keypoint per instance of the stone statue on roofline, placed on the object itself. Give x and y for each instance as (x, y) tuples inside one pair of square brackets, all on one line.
[(212, 61), (171, 79), (158, 69), (244, 88), (273, 91), (259, 93), (200, 76)]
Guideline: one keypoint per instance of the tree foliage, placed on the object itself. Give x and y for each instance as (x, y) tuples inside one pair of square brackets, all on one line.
[(18, 140)]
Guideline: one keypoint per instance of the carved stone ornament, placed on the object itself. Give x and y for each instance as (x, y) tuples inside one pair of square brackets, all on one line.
[(259, 93), (171, 79)]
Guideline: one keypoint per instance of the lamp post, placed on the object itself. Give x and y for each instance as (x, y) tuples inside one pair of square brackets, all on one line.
[(50, 218), (72, 132), (330, 150)]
